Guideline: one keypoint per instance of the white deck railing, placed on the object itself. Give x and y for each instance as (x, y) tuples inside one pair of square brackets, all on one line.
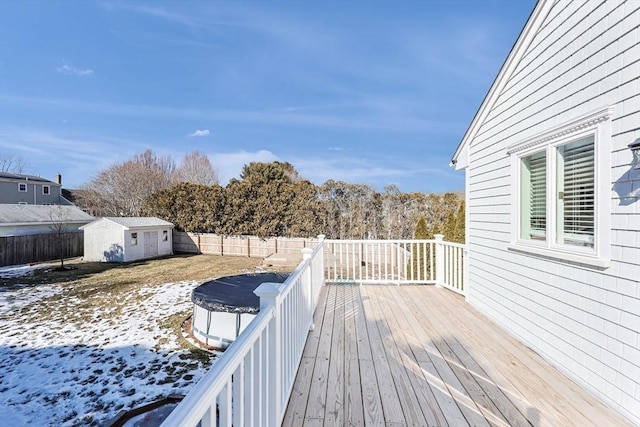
[(251, 383), (395, 261)]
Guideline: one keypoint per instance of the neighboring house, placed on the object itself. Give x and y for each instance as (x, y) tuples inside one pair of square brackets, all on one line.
[(553, 226), (124, 239), (23, 220), (30, 190)]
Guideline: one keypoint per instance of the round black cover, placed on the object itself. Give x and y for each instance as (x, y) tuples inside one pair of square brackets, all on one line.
[(234, 294)]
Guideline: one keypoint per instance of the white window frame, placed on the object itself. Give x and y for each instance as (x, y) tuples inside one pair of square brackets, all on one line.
[(48, 192), (134, 239), (165, 235), (598, 124), (26, 188)]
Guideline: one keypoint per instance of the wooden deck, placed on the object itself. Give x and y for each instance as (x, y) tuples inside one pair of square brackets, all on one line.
[(421, 356)]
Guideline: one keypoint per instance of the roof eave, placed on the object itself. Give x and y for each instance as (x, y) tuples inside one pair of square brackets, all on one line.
[(529, 30)]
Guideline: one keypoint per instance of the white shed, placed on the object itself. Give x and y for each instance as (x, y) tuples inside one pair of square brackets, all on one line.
[(553, 199), (124, 239)]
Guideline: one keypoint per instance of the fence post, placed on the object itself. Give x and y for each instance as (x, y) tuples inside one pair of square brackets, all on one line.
[(439, 259), (269, 294)]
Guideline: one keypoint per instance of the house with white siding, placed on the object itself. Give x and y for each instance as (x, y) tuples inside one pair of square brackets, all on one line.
[(553, 195)]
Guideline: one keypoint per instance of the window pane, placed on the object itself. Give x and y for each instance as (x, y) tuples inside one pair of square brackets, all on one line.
[(575, 193), (533, 202)]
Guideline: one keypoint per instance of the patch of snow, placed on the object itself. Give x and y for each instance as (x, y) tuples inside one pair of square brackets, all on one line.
[(85, 363), (16, 271)]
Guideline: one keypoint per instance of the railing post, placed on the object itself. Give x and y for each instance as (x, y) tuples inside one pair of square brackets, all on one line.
[(321, 273), (465, 272), (439, 259), (306, 255), (269, 294)]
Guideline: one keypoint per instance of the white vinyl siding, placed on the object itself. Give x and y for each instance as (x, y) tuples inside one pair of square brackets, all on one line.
[(582, 318)]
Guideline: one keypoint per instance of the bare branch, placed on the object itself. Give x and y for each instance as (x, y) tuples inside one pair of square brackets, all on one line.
[(196, 168)]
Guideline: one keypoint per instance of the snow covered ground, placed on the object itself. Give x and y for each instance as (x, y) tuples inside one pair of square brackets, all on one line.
[(67, 360)]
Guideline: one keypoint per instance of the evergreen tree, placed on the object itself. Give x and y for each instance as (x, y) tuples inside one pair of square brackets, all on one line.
[(460, 231), (420, 252), (449, 229)]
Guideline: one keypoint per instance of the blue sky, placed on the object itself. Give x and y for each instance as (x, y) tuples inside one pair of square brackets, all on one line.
[(375, 92)]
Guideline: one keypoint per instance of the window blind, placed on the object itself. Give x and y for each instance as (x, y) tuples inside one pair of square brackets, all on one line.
[(536, 165), (577, 192)]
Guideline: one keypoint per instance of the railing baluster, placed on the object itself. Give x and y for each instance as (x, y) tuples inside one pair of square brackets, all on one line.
[(224, 419), (238, 396), (249, 375)]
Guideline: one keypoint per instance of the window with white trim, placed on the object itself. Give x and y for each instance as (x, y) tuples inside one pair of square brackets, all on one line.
[(134, 239), (571, 195), (562, 191), (46, 190), (22, 187)]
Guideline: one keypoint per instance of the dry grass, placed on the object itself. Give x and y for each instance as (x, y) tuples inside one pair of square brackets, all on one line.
[(93, 276), (105, 286)]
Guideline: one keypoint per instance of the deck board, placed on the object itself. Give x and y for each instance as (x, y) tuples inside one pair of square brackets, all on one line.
[(353, 399), (419, 355)]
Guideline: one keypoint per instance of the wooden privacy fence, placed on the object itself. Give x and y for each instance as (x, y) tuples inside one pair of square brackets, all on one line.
[(249, 246), (39, 247)]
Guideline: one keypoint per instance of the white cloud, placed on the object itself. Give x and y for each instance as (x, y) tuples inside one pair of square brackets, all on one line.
[(70, 70), (203, 132), (229, 165)]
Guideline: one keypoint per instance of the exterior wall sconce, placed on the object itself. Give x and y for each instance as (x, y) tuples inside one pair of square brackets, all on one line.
[(635, 150)]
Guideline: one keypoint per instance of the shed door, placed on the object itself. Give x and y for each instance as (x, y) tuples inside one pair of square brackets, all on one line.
[(150, 244)]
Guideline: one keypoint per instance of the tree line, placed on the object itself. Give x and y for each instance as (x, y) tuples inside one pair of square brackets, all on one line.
[(269, 199)]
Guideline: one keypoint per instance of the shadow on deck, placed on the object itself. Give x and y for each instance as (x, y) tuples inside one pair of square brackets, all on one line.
[(420, 356)]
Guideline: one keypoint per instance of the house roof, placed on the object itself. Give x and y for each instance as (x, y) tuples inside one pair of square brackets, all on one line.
[(537, 17), (20, 177), (136, 222), (46, 214)]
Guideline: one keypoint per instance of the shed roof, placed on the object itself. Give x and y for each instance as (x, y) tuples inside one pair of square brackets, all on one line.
[(32, 214), (132, 222)]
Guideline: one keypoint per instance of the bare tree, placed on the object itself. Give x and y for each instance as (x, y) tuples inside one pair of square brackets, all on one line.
[(196, 168), (164, 165), (121, 189), (59, 226), (10, 163)]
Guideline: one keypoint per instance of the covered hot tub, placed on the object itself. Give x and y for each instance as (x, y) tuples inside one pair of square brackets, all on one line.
[(223, 307)]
